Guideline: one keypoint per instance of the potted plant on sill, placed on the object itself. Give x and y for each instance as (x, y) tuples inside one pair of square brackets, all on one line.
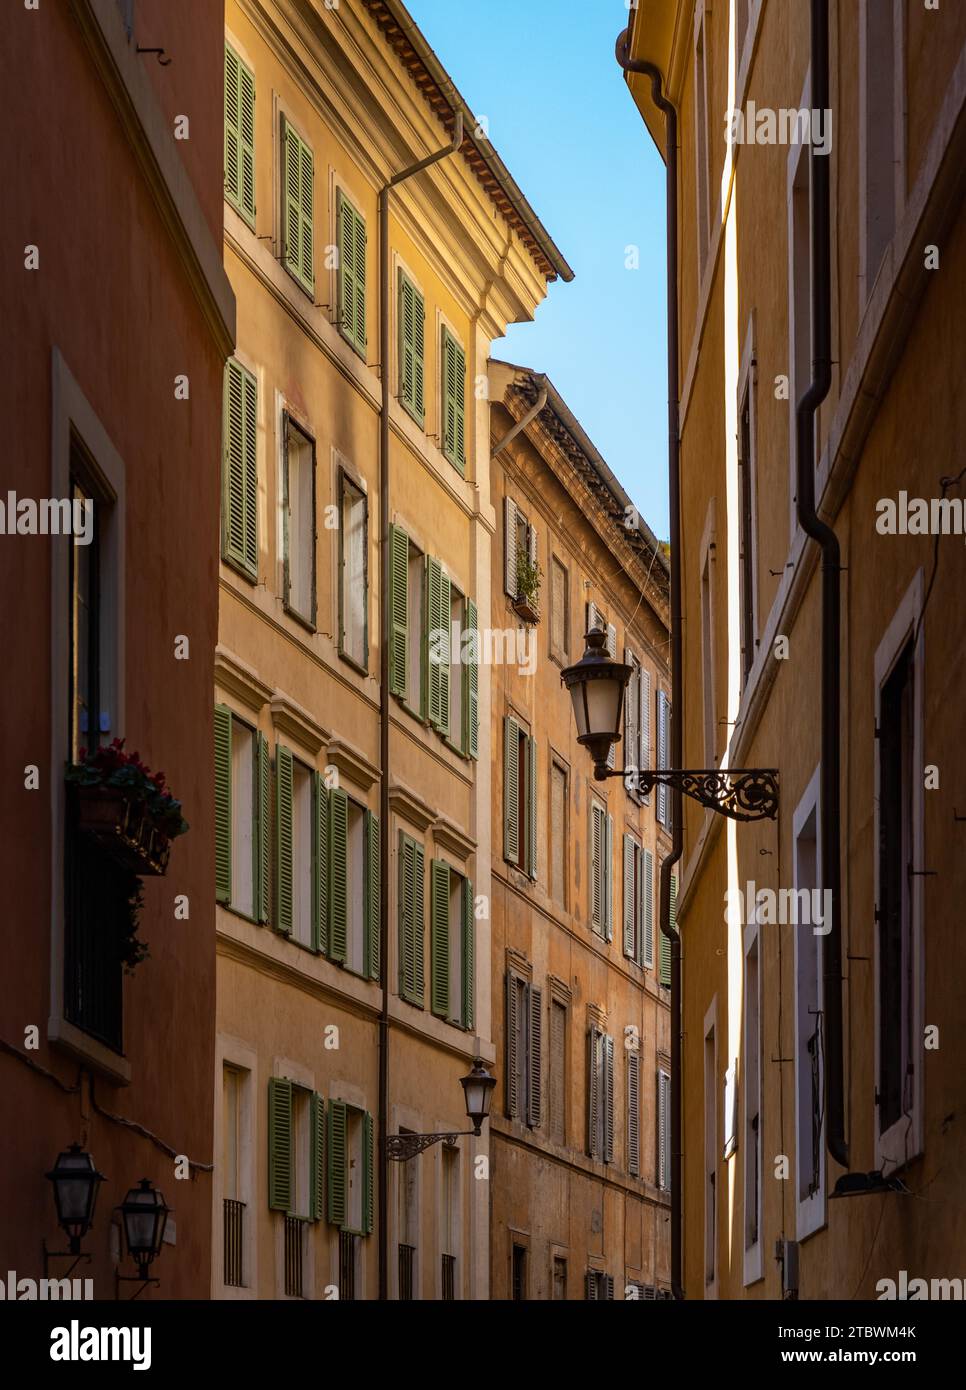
[(126, 808), (529, 575)]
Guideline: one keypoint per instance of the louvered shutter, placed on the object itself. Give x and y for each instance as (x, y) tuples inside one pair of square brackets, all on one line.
[(468, 923), (419, 918), (297, 207), (407, 918), (411, 347), (359, 233), (594, 1097), (371, 965), (263, 831), (609, 1286), (644, 692), (531, 790), (665, 974), (283, 840), (337, 1164), (472, 742), (316, 1157), (594, 620), (511, 790), (223, 797), (663, 1129), (629, 906), (663, 795), (240, 505), (239, 135), (608, 1098), (597, 867), (634, 1114), (368, 1173), (306, 208), (612, 640), (590, 1285), (338, 873), (320, 863), (454, 401), (279, 1143), (535, 1060), (512, 1099), (440, 605), (510, 546), (631, 732), (608, 871), (351, 277), (399, 610), (647, 908), (439, 938)]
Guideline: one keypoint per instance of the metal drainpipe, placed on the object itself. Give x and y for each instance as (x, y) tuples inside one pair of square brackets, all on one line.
[(805, 412), (385, 856), (677, 687)]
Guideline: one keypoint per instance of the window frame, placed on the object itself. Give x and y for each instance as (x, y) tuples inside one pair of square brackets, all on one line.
[(348, 480), (450, 342), (748, 505), (560, 655), (342, 200), (238, 203), (309, 620), (811, 1211)]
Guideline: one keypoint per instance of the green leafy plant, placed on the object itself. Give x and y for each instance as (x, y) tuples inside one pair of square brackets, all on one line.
[(127, 774), (529, 576)]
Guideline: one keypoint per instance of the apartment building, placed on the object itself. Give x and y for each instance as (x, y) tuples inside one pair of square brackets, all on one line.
[(580, 1147), (110, 620), (821, 1135), (352, 720)]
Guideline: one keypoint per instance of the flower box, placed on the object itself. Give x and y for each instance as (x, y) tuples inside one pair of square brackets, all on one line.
[(124, 828), (526, 609)]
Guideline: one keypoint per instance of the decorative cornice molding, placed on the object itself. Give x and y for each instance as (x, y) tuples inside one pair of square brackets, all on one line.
[(449, 836), (239, 679), (353, 762), (295, 721), (517, 962), (410, 807)]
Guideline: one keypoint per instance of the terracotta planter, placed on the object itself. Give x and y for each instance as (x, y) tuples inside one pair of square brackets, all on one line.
[(123, 828), (527, 610)]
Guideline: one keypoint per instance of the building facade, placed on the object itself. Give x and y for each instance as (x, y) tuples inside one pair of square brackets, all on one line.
[(579, 1171), (821, 1034), (352, 872), (110, 626)]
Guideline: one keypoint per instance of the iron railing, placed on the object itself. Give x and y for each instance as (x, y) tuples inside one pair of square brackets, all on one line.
[(407, 1261), (347, 1266), (449, 1278), (234, 1231), (294, 1227)]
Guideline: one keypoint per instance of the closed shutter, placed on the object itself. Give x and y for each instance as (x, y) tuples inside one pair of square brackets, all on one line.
[(338, 874), (630, 905), (412, 316), (663, 732), (612, 640), (594, 1098), (597, 867), (337, 1165), (371, 963), (240, 503), (454, 401), (223, 815), (297, 207), (510, 546), (279, 1143), (368, 1173), (665, 975), (316, 1157), (471, 743), (535, 1060), (532, 807), (663, 1129), (594, 619), (511, 790), (590, 1285), (320, 863), (647, 908), (511, 1023), (399, 610), (644, 693), (351, 276), (631, 713), (263, 832), (608, 1286), (608, 1098), (411, 861), (439, 938), (239, 135), (608, 871), (440, 604), (634, 1114), (468, 923), (419, 919), (283, 840)]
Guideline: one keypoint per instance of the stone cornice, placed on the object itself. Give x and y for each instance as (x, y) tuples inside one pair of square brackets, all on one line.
[(295, 721), (410, 807), (353, 762), (448, 835), (237, 678)]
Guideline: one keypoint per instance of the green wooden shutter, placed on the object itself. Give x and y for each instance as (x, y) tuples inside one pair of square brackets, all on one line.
[(297, 207), (222, 804), (371, 901), (239, 135), (440, 604), (368, 1173), (279, 1143), (439, 938), (647, 908), (351, 275), (608, 1099), (240, 504), (283, 840), (338, 873), (471, 743), (419, 919), (316, 1157), (337, 1165), (454, 401), (630, 906), (511, 790), (263, 767), (320, 863), (398, 611), (665, 961), (468, 923), (532, 807), (411, 899), (412, 315), (535, 1059)]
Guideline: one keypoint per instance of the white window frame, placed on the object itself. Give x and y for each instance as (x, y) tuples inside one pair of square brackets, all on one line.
[(752, 1034), (810, 1211), (342, 468), (232, 1052), (867, 64), (286, 414), (905, 1136)]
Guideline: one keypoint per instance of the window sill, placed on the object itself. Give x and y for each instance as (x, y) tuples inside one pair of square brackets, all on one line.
[(454, 748), (79, 1044), (351, 661), (245, 916), (420, 718), (417, 419), (237, 568), (296, 616)]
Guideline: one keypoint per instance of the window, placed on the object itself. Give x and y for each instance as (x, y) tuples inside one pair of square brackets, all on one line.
[(599, 1285), (558, 1291), (518, 1273), (296, 1137), (452, 661), (707, 659), (663, 1129), (416, 628), (600, 1094), (524, 1050), (752, 1054), (519, 797), (412, 317), (748, 541), (558, 1071), (353, 882), (710, 1151), (880, 141), (637, 725), (452, 927), (809, 1060), (234, 1136), (663, 757), (450, 1160), (407, 1225), (297, 200), (302, 852), (664, 959), (353, 573), (239, 135), (638, 918), (457, 622), (601, 871), (453, 391), (239, 528), (559, 612), (519, 554), (799, 300), (241, 816), (559, 832), (411, 919), (633, 1111), (348, 1262), (701, 169), (350, 1168), (85, 625), (351, 274), (298, 521)]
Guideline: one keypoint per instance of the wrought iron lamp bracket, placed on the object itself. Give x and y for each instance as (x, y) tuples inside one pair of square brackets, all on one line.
[(400, 1148), (744, 794)]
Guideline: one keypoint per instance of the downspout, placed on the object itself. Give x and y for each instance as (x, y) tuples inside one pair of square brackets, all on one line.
[(385, 856), (805, 412), (677, 685)]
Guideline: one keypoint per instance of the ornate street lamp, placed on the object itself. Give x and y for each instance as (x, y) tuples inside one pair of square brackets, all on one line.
[(596, 684), (145, 1215), (477, 1092), (75, 1181)]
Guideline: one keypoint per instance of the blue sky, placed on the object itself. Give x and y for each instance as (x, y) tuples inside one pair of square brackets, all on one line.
[(563, 122)]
